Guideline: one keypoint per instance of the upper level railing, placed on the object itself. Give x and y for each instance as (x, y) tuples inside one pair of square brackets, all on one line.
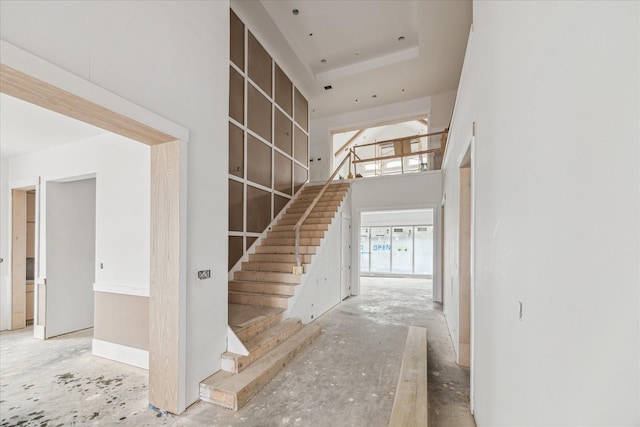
[(415, 153)]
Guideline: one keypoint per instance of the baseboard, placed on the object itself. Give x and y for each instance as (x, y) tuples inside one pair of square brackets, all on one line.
[(121, 353), (114, 288)]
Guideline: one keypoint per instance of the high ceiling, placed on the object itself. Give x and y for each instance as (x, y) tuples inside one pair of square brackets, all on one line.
[(373, 52)]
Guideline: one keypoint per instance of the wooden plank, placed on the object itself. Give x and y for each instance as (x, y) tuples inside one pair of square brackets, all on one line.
[(18, 259), (395, 156), (411, 405), (22, 86), (164, 295), (464, 269), (349, 142)]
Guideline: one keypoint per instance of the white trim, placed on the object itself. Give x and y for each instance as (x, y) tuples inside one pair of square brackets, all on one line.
[(39, 332), (234, 344), (120, 353), (38, 68), (24, 183), (115, 288)]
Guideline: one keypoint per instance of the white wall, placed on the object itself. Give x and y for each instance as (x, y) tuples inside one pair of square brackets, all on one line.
[(395, 192), (122, 168), (556, 211), (394, 217), (172, 59), (71, 249)]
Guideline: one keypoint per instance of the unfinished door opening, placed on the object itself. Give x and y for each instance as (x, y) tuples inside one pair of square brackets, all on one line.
[(397, 243), (83, 101), (23, 256), (464, 263)]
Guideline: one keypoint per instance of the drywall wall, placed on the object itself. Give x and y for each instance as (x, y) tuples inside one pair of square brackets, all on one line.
[(320, 147), (71, 251), (556, 208), (170, 58), (321, 289), (5, 214), (397, 192), (395, 217)]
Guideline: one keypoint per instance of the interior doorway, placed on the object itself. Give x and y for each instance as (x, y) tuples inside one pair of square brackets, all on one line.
[(464, 263), (23, 256)]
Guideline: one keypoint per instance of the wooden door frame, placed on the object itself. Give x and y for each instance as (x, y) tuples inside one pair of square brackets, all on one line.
[(31, 79)]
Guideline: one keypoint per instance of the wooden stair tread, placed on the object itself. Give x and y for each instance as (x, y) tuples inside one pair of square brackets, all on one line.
[(234, 390), (262, 295)]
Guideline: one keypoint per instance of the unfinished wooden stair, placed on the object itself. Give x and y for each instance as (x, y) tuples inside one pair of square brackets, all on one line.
[(259, 296)]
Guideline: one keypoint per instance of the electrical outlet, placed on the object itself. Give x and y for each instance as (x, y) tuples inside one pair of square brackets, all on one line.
[(204, 274)]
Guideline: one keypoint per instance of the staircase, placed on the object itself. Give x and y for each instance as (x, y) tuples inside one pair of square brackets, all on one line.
[(260, 295)]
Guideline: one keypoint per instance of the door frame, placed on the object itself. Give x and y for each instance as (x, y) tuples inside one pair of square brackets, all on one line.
[(31, 79), (24, 185)]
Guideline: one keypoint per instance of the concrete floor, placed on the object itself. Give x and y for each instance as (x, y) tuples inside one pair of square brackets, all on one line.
[(346, 378)]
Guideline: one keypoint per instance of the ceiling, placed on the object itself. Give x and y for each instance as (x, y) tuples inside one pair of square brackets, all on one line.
[(375, 52), (28, 128)]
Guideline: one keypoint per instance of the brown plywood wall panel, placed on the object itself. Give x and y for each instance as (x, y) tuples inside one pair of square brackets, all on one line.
[(301, 146), (258, 161), (268, 126), (301, 113), (236, 205), (283, 131), (282, 173), (300, 175), (259, 205), (236, 95), (250, 241), (258, 113), (236, 40), (259, 64), (236, 151), (235, 250), (284, 91), (279, 203)]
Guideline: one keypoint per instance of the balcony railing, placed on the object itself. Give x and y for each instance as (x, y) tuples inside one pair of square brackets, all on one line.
[(416, 153)]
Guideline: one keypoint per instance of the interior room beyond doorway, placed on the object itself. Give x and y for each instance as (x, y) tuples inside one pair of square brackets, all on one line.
[(397, 243)]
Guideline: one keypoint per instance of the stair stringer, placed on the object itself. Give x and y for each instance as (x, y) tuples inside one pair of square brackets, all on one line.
[(320, 288)]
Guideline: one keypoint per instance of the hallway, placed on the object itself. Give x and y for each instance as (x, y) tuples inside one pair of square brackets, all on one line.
[(346, 378)]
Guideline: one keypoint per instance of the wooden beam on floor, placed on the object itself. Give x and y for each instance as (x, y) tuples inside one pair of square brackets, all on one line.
[(411, 405)]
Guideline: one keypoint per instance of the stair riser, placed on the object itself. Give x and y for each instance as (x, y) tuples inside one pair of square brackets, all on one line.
[(304, 250), (263, 300), (292, 234), (279, 267), (262, 288), (259, 326), (298, 215), (303, 209), (305, 205), (306, 221), (304, 241), (245, 395), (240, 363), (306, 259), (324, 198), (266, 276)]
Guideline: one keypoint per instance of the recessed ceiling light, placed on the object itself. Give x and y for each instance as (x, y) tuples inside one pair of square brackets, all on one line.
[(356, 100), (403, 90), (295, 12), (401, 38), (324, 61)]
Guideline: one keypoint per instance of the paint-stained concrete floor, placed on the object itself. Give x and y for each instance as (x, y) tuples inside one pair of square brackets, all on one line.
[(346, 378)]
